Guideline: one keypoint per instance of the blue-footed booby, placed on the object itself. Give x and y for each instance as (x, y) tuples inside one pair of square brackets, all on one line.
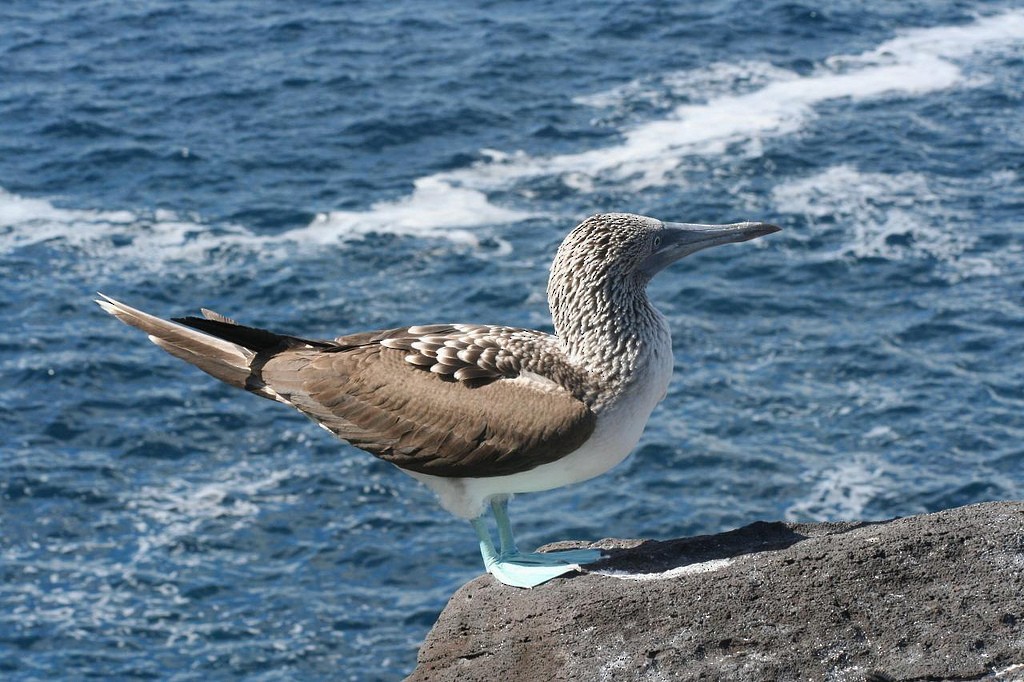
[(480, 412)]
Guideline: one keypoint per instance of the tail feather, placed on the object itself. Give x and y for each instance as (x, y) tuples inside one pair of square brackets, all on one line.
[(250, 338), (224, 359), (211, 315)]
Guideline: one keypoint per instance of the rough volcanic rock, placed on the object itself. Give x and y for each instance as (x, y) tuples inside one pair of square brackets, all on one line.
[(932, 597)]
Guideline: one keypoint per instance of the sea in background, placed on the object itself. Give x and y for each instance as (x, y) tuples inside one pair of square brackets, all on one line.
[(328, 167)]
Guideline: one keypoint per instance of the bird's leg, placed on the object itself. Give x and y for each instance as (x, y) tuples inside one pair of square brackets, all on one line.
[(486, 543), (510, 552), (499, 506)]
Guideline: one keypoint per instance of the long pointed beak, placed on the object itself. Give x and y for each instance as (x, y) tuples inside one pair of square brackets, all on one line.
[(681, 239)]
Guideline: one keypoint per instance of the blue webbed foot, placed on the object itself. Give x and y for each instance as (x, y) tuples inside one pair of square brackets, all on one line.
[(527, 574), (568, 556), (519, 569)]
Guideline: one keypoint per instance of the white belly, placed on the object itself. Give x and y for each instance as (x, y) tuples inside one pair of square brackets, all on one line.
[(619, 426)]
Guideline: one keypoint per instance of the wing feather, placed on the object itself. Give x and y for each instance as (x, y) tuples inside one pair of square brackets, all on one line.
[(374, 398)]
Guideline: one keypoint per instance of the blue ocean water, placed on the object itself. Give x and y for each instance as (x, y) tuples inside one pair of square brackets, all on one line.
[(342, 166)]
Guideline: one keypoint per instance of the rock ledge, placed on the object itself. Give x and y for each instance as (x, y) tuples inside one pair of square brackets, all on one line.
[(931, 597)]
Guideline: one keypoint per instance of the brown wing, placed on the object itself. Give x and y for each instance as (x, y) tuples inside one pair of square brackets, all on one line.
[(425, 421), (448, 400)]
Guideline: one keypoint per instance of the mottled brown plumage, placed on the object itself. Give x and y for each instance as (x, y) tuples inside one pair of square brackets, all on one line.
[(451, 418), (475, 400)]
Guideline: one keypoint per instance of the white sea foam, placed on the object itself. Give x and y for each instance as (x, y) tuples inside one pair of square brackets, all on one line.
[(25, 221), (87, 590), (955, 41), (175, 509), (892, 216), (728, 107), (842, 492), (436, 208), (915, 63), (742, 104), (666, 90), (155, 236)]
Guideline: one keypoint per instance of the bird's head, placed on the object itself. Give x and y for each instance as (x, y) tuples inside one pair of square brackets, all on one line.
[(625, 247)]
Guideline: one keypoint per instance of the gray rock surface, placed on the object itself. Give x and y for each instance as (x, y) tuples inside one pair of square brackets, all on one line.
[(932, 597)]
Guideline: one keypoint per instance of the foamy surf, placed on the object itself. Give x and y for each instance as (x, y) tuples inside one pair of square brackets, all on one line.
[(142, 237), (436, 208), (895, 216), (151, 239), (743, 104), (176, 508), (915, 63), (844, 491)]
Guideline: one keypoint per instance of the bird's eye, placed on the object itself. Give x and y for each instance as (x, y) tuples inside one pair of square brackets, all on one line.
[(657, 240)]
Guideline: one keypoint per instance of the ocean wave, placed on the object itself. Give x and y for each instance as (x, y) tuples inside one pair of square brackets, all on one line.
[(894, 216), (847, 490), (434, 209), (152, 238), (173, 510), (742, 104), (142, 236), (728, 106)]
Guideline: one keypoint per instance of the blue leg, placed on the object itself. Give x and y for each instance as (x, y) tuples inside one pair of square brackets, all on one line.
[(509, 550), (486, 544), (499, 505)]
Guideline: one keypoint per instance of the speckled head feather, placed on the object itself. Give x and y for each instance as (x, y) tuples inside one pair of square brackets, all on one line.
[(596, 290), (605, 248)]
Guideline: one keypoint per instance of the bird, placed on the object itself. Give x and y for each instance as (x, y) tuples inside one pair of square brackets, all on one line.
[(481, 412)]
